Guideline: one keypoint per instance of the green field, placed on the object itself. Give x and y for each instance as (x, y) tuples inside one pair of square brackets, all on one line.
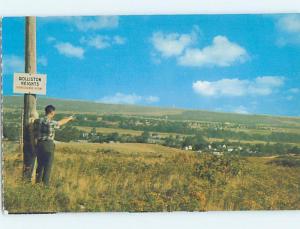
[(121, 131)]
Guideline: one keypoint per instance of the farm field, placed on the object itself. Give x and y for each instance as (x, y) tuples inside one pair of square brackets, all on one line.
[(148, 177), (246, 142), (121, 131), (110, 130)]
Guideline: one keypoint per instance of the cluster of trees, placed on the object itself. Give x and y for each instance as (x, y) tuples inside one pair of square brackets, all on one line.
[(154, 125), (274, 136), (11, 125), (68, 134), (197, 142), (269, 149), (116, 137), (11, 132), (12, 115)]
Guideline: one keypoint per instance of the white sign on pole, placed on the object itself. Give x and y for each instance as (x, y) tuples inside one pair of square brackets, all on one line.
[(30, 83)]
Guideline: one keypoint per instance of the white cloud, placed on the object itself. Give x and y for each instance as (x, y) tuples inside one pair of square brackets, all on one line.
[(69, 50), (13, 63), (232, 87), (42, 60), (172, 44), (289, 23), (241, 110), (262, 86), (99, 42), (86, 23), (120, 98), (152, 99), (222, 53), (96, 23), (265, 85), (290, 97), (102, 41), (289, 28)]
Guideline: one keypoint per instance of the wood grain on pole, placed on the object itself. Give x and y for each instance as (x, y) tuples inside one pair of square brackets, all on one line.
[(30, 113)]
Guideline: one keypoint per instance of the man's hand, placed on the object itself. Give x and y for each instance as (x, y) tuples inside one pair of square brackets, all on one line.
[(72, 117), (65, 120)]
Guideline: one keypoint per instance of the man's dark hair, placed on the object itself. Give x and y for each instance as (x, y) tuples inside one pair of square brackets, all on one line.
[(49, 109)]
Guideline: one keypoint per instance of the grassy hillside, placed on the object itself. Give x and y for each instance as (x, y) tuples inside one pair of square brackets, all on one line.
[(144, 177), (268, 120), (173, 114), (89, 107)]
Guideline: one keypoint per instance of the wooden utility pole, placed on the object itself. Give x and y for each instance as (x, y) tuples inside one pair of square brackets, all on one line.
[(30, 113), (21, 133)]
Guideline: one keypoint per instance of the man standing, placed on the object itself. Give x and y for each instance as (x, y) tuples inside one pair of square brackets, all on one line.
[(44, 133)]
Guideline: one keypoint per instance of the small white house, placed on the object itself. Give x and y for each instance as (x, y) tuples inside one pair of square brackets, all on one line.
[(217, 153), (188, 148)]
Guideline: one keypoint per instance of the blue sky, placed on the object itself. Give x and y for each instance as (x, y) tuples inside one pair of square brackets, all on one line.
[(230, 63)]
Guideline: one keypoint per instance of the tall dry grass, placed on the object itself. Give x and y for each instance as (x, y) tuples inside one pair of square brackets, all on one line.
[(144, 177)]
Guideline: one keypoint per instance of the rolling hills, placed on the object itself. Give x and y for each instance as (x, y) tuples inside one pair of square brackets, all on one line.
[(76, 106)]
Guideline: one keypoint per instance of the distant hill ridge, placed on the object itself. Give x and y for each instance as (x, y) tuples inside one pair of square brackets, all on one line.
[(89, 106), (64, 105)]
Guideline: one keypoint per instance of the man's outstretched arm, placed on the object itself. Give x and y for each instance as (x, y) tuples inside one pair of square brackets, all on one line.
[(65, 120)]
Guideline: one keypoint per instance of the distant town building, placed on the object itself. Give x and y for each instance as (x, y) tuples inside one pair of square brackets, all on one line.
[(217, 153), (188, 148)]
